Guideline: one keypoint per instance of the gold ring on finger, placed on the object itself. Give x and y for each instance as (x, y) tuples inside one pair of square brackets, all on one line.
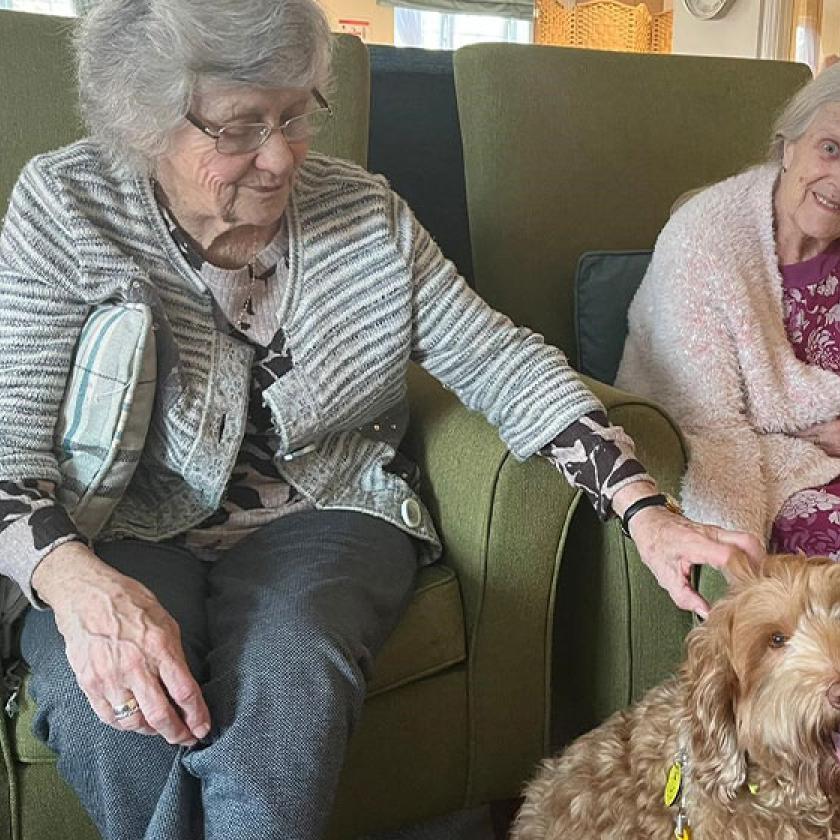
[(127, 709)]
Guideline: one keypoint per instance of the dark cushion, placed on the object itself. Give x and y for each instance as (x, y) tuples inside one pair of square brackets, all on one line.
[(415, 142), (605, 283)]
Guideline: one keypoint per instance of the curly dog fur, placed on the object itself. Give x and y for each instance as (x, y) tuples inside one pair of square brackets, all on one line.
[(757, 702)]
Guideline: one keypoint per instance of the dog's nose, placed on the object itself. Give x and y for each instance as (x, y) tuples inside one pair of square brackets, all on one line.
[(833, 695)]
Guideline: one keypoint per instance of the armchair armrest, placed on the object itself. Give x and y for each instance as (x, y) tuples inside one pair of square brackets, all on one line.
[(9, 793), (549, 645), (503, 525), (627, 633), (655, 445)]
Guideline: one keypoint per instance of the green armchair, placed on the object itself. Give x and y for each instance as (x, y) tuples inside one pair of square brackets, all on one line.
[(531, 629), (568, 151)]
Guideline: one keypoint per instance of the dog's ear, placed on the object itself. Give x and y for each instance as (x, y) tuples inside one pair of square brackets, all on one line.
[(717, 763)]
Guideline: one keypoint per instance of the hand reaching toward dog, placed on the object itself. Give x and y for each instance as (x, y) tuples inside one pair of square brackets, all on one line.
[(825, 435), (670, 545)]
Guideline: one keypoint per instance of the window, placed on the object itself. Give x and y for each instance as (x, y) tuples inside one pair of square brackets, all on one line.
[(448, 31), (44, 7)]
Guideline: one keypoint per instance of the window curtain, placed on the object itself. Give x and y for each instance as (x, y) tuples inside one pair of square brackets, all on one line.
[(522, 9), (807, 24), (776, 28)]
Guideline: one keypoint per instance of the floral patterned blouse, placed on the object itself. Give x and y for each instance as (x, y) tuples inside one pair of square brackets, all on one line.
[(809, 520)]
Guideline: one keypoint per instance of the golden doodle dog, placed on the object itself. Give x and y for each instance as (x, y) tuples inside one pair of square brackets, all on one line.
[(744, 744)]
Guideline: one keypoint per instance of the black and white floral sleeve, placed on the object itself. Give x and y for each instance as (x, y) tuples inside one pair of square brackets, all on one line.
[(37, 524), (597, 458)]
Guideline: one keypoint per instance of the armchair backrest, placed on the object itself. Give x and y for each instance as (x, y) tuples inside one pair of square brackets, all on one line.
[(346, 136), (569, 150), (39, 100)]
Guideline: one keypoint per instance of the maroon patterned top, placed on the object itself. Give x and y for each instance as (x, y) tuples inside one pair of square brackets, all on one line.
[(811, 305), (809, 520)]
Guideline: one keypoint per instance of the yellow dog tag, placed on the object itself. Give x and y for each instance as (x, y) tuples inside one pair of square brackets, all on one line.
[(673, 785), (686, 834)]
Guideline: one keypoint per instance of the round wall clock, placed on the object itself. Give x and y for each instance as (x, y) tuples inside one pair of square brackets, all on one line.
[(707, 9)]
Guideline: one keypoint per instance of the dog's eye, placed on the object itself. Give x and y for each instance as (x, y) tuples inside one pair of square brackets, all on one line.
[(778, 640)]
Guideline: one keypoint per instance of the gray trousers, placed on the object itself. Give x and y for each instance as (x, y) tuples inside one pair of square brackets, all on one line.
[(280, 633)]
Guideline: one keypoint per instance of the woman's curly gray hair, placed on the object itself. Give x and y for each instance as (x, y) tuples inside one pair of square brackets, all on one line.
[(141, 61), (801, 109)]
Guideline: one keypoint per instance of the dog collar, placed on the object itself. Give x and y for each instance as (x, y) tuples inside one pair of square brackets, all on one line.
[(675, 794)]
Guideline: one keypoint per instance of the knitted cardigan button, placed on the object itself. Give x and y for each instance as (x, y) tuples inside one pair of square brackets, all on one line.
[(411, 513)]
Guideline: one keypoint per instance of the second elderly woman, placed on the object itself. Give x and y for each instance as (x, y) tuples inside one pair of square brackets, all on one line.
[(204, 660), (736, 331)]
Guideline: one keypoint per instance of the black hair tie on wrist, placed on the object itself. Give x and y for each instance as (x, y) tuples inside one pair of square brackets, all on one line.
[(656, 500)]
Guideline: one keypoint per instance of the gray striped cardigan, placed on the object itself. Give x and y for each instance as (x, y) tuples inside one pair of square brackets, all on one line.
[(368, 291)]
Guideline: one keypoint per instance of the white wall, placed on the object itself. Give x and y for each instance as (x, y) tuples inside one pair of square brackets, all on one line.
[(380, 18), (736, 34)]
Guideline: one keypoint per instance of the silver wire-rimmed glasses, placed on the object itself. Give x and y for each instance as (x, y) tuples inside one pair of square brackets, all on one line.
[(241, 138)]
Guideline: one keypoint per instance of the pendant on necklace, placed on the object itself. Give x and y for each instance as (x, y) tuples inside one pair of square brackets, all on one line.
[(252, 279)]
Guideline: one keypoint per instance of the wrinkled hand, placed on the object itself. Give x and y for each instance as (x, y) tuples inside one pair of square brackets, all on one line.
[(121, 642), (825, 435), (670, 545)]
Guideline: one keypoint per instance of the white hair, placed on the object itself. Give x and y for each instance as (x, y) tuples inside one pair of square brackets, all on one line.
[(800, 111), (141, 61)]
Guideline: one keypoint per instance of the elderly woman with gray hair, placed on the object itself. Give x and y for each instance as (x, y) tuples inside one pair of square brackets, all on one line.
[(736, 331), (202, 663)]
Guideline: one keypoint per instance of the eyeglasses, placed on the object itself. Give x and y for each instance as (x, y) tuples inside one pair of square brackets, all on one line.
[(241, 138)]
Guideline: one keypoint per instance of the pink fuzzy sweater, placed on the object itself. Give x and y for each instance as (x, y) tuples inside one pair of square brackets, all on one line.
[(707, 341)]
